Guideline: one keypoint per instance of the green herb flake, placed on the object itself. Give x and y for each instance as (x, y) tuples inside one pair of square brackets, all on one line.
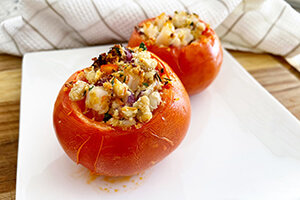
[(84, 93), (158, 77), (107, 116), (118, 50), (146, 84), (192, 24), (167, 79), (143, 46), (113, 81), (91, 88), (124, 79), (162, 70)]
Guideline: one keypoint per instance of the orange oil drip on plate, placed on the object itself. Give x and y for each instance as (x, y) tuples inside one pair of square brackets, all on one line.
[(91, 178), (120, 179)]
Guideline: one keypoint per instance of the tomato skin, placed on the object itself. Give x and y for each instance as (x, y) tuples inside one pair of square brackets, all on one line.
[(197, 64), (112, 151)]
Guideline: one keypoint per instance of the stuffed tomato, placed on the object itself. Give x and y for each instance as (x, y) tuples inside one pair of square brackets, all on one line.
[(187, 44), (123, 114)]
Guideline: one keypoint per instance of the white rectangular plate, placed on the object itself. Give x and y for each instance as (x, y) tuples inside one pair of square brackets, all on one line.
[(242, 144)]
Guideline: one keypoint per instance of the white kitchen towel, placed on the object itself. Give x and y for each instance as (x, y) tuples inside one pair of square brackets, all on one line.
[(250, 25)]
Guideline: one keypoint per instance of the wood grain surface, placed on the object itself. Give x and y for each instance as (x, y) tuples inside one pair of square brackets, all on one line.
[(276, 76), (10, 85), (272, 72)]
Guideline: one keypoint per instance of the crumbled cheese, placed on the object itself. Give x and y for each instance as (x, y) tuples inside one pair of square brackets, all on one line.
[(133, 81), (144, 113), (200, 26), (97, 99), (150, 30), (116, 114), (145, 61), (184, 35), (160, 20), (180, 30), (117, 103), (165, 34), (78, 91), (155, 100), (90, 75), (119, 88), (181, 20), (149, 76), (129, 112), (114, 122)]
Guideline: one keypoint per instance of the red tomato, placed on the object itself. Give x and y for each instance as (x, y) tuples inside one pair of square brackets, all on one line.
[(112, 151), (197, 64)]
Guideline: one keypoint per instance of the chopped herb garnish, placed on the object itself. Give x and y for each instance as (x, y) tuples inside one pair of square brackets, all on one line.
[(121, 75), (146, 84), (113, 81), (118, 50), (84, 93), (162, 70), (91, 88), (167, 79), (158, 77), (124, 79), (143, 46), (107, 117), (192, 24)]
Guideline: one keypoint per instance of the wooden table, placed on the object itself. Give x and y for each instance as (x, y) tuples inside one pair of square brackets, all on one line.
[(272, 72)]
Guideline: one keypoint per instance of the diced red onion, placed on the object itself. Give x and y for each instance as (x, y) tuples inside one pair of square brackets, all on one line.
[(103, 80), (130, 98), (128, 55)]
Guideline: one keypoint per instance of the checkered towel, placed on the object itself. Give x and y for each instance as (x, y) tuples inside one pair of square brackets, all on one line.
[(251, 25)]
